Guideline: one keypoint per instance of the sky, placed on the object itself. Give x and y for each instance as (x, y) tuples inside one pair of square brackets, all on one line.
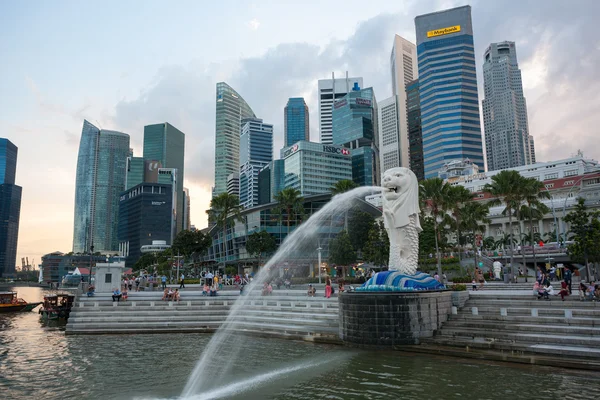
[(123, 65)]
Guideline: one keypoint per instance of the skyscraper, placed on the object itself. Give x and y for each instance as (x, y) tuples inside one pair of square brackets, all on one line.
[(166, 144), (295, 121), (100, 179), (448, 89), (256, 152), (187, 223), (331, 90), (355, 127), (231, 109), (507, 139), (10, 207), (415, 135), (394, 146)]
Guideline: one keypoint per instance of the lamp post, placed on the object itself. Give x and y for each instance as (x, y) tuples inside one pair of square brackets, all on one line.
[(319, 269), (91, 254)]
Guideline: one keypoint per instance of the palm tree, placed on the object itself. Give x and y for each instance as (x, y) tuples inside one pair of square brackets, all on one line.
[(291, 203), (474, 216), (534, 191), (224, 209), (458, 198), (343, 186), (434, 199), (506, 188)]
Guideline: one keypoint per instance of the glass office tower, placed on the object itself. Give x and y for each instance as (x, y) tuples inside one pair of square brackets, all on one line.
[(231, 109), (295, 121), (10, 208), (448, 89), (256, 152), (166, 144), (415, 134), (100, 178)]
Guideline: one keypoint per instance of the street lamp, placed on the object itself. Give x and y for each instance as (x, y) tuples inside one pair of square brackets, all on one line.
[(319, 269)]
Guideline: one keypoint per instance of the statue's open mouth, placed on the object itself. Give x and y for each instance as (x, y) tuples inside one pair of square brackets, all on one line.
[(393, 189)]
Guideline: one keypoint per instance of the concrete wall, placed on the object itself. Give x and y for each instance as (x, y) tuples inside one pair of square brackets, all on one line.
[(389, 319), (115, 270)]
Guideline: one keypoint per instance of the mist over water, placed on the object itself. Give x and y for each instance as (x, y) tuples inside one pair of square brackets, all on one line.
[(223, 350)]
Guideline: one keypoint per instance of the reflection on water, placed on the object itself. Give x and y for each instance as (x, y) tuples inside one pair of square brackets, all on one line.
[(38, 361)]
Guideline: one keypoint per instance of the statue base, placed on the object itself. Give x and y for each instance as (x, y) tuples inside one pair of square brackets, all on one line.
[(395, 281)]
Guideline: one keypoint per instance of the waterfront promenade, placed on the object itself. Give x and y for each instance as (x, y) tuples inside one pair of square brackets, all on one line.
[(501, 322)]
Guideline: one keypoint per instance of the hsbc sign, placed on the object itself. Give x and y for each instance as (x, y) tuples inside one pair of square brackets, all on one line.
[(291, 150), (336, 150)]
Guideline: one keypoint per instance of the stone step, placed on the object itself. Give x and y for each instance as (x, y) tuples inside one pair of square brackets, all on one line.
[(529, 328), (329, 309), (590, 354), (579, 340), (576, 321), (576, 312), (533, 302), (203, 313)]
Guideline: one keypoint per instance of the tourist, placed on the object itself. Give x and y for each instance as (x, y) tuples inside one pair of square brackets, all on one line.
[(480, 278), (568, 278), (124, 293), (124, 283), (341, 286), (328, 287), (182, 281), (311, 291), (553, 273), (436, 277), (474, 283), (130, 286), (591, 290), (163, 280), (137, 284), (564, 291), (205, 289), (287, 283), (216, 281), (213, 290), (176, 295), (209, 278), (170, 294), (116, 295), (165, 294), (536, 288), (582, 290)]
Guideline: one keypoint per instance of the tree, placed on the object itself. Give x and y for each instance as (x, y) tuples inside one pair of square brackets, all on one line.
[(434, 202), (224, 209), (259, 243), (586, 229), (427, 237), (474, 217), (489, 243), (506, 188), (360, 224), (345, 185), (191, 244), (458, 198), (290, 203), (377, 248), (341, 251)]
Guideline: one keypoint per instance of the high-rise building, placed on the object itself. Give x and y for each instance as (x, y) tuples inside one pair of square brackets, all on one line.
[(415, 135), (256, 152), (331, 90), (448, 89), (314, 168), (355, 127), (264, 185), (10, 208), (231, 109), (135, 171), (504, 108), (295, 121), (166, 144), (389, 133), (233, 184), (187, 223), (146, 214), (277, 179), (100, 179), (403, 65), (532, 149)]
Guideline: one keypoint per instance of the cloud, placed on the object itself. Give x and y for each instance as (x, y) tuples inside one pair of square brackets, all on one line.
[(253, 24), (556, 44)]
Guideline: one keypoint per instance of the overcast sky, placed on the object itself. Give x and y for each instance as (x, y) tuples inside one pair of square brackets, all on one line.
[(123, 65)]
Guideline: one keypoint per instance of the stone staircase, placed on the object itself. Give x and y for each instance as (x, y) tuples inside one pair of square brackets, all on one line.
[(518, 323), (287, 313)]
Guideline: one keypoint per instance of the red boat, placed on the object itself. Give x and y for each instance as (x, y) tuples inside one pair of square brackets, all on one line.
[(9, 302)]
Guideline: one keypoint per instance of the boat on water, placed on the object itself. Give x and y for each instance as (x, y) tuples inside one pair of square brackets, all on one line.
[(9, 302), (57, 306)]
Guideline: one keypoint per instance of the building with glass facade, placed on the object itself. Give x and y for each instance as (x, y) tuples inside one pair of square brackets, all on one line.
[(504, 109), (166, 144), (415, 134), (10, 208), (313, 168), (331, 90), (256, 152), (264, 185), (100, 179), (354, 122), (277, 179), (187, 222), (389, 132), (146, 214), (231, 109), (448, 89), (266, 218), (135, 171), (233, 184), (295, 121)]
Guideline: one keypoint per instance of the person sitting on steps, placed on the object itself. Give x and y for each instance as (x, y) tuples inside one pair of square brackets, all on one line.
[(311, 291)]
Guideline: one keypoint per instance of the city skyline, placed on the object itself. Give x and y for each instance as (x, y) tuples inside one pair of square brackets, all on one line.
[(49, 104)]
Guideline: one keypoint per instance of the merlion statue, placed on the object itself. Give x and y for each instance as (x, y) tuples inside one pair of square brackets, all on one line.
[(401, 218), (497, 265)]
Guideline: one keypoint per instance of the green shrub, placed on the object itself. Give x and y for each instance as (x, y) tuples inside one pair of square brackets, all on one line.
[(458, 287), (462, 279)]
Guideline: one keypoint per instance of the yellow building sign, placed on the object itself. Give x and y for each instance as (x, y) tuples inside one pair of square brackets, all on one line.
[(444, 31)]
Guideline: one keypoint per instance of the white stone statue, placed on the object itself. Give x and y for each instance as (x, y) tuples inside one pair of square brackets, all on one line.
[(497, 265), (401, 218)]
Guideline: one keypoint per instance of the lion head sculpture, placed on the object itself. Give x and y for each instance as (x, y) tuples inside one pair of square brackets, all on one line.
[(400, 197)]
